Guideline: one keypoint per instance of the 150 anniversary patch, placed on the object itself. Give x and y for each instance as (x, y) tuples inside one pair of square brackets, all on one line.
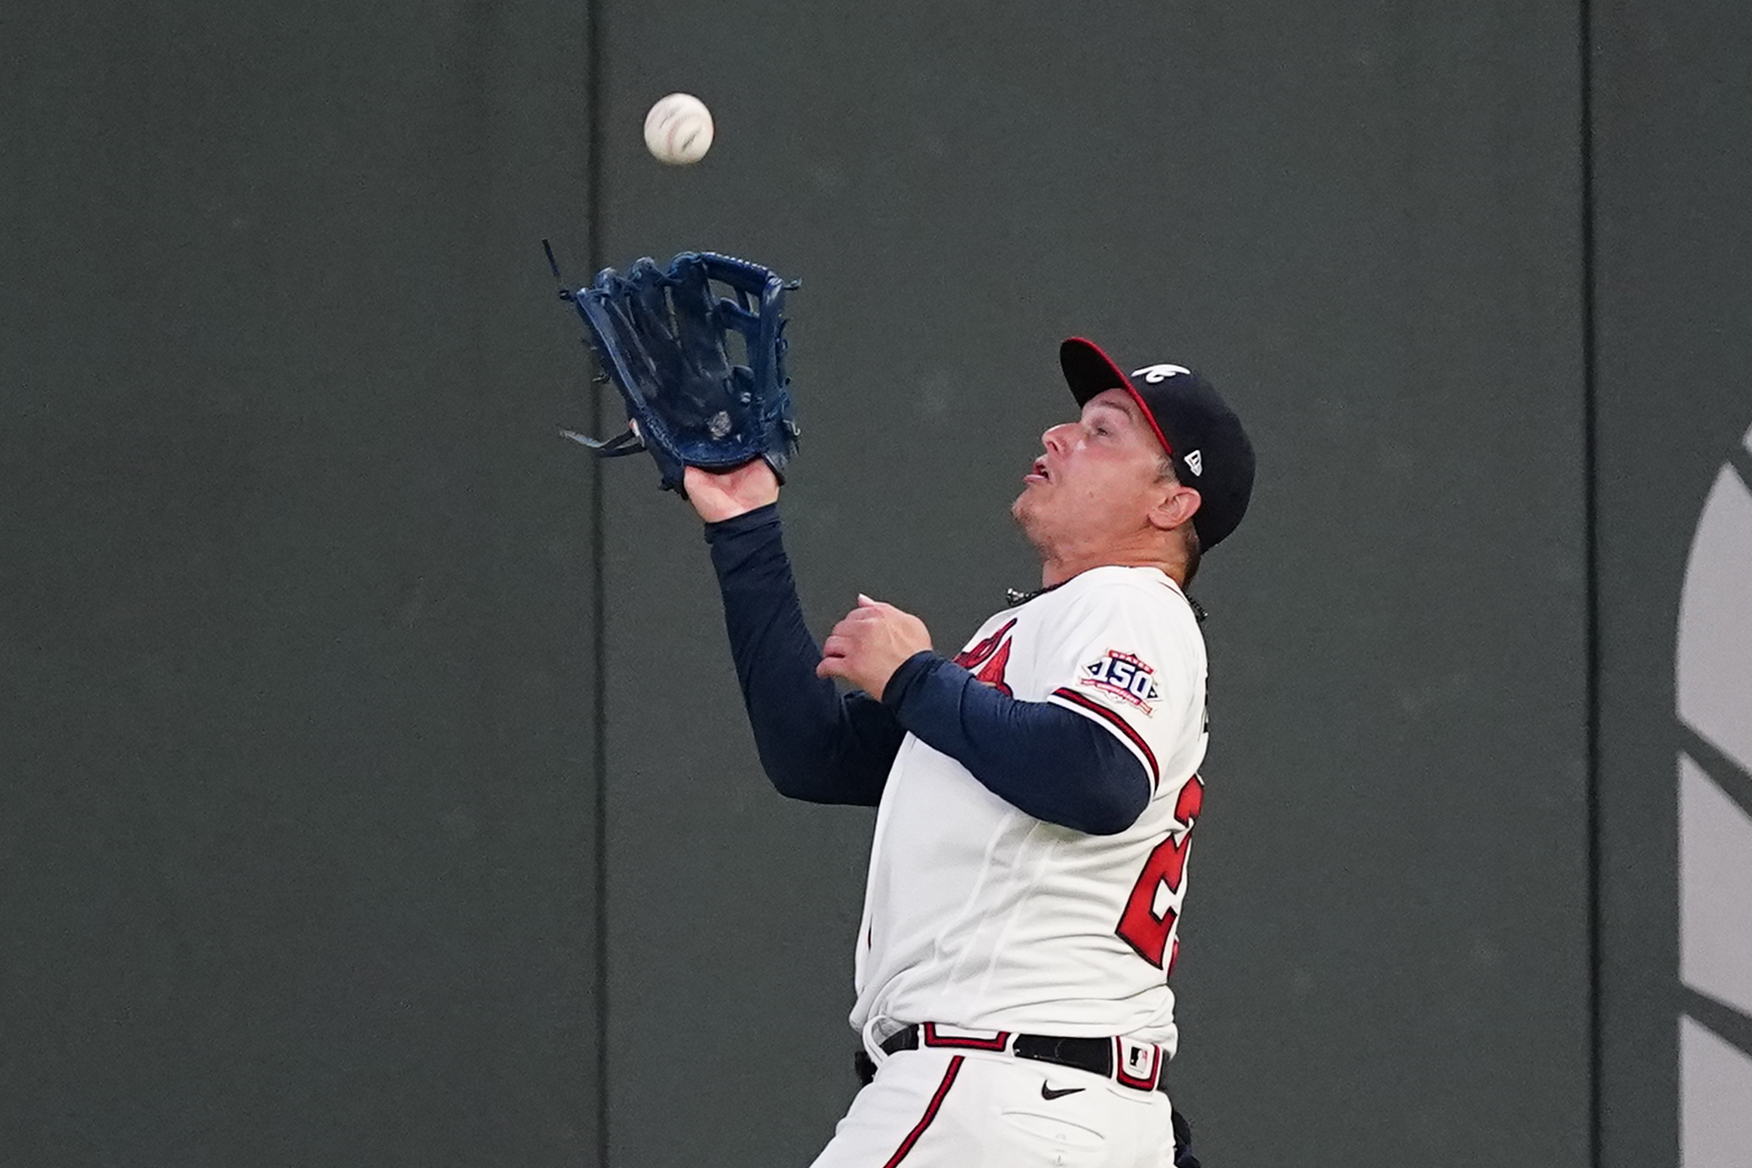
[(1125, 676)]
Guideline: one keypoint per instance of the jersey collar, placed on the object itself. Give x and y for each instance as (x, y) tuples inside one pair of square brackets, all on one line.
[(1017, 597)]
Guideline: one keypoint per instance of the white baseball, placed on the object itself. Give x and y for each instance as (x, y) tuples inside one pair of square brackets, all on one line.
[(678, 130)]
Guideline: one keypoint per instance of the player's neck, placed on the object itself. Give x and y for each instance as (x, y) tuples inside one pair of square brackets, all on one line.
[(1060, 565)]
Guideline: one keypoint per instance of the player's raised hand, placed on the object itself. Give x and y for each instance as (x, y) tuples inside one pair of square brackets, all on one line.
[(718, 496), (870, 643)]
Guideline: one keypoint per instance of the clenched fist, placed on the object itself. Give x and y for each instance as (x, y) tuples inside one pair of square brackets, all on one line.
[(870, 643)]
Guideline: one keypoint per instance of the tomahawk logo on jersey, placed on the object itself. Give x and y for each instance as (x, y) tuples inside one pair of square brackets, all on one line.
[(1019, 925), (989, 657)]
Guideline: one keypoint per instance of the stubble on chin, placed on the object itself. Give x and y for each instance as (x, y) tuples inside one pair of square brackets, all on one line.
[(1028, 519)]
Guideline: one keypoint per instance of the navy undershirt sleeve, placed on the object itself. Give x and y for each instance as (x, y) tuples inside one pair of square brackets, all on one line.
[(814, 743), (1045, 760), (824, 747)]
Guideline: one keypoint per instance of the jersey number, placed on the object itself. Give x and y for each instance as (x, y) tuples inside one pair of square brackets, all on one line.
[(1139, 924)]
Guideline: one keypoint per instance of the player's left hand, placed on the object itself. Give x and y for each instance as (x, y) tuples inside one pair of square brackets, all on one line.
[(870, 643)]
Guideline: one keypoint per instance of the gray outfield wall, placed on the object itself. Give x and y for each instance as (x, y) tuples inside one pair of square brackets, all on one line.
[(350, 721), (295, 814)]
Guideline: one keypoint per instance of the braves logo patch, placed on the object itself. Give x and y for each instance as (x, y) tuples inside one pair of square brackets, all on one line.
[(1125, 676), (988, 659)]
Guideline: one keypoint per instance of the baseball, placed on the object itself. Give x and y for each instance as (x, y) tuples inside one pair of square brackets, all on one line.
[(678, 130)]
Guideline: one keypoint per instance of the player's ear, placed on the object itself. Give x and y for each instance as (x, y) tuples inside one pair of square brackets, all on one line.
[(1176, 505)]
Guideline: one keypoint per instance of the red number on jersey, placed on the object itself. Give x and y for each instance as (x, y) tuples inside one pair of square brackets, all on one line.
[(1139, 925)]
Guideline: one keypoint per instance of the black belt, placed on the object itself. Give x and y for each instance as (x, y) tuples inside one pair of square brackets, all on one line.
[(1094, 1055)]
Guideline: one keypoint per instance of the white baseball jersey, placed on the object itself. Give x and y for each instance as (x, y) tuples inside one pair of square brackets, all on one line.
[(976, 914)]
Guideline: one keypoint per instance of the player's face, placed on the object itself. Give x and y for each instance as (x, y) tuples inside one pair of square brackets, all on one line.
[(1098, 478)]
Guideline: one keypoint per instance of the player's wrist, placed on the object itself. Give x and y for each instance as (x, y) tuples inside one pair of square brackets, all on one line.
[(722, 511), (766, 515), (718, 496), (905, 676)]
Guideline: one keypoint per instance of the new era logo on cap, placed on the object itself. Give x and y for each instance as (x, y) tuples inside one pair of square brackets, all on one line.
[(1195, 462)]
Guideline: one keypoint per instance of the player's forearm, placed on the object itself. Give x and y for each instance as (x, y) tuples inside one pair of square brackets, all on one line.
[(1045, 760), (814, 744)]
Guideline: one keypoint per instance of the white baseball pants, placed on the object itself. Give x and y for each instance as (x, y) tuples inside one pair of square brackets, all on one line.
[(943, 1108)]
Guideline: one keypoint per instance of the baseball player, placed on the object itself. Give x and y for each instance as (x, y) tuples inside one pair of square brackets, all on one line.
[(1036, 791)]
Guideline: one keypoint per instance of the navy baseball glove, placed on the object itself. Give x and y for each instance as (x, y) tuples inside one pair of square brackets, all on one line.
[(669, 342)]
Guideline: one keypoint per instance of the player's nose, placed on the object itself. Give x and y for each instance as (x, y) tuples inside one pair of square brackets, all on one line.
[(1057, 438)]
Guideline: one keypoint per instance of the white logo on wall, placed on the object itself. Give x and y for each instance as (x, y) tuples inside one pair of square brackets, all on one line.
[(1713, 672), (1155, 373)]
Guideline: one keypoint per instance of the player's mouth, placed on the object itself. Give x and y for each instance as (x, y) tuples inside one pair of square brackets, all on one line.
[(1038, 474)]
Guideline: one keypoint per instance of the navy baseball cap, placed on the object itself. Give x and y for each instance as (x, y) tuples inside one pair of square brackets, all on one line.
[(1201, 434)]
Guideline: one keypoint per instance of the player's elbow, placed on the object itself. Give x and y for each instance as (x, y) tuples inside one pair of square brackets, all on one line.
[(1115, 807), (1114, 791), (820, 781), (792, 779)]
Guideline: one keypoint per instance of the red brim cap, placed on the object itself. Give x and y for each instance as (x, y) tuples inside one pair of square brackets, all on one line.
[(1089, 371)]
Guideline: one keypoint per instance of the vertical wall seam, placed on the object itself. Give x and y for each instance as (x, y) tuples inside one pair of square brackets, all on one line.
[(1591, 575), (593, 227)]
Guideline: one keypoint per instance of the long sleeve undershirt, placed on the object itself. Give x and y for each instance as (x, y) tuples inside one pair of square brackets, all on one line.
[(824, 747)]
